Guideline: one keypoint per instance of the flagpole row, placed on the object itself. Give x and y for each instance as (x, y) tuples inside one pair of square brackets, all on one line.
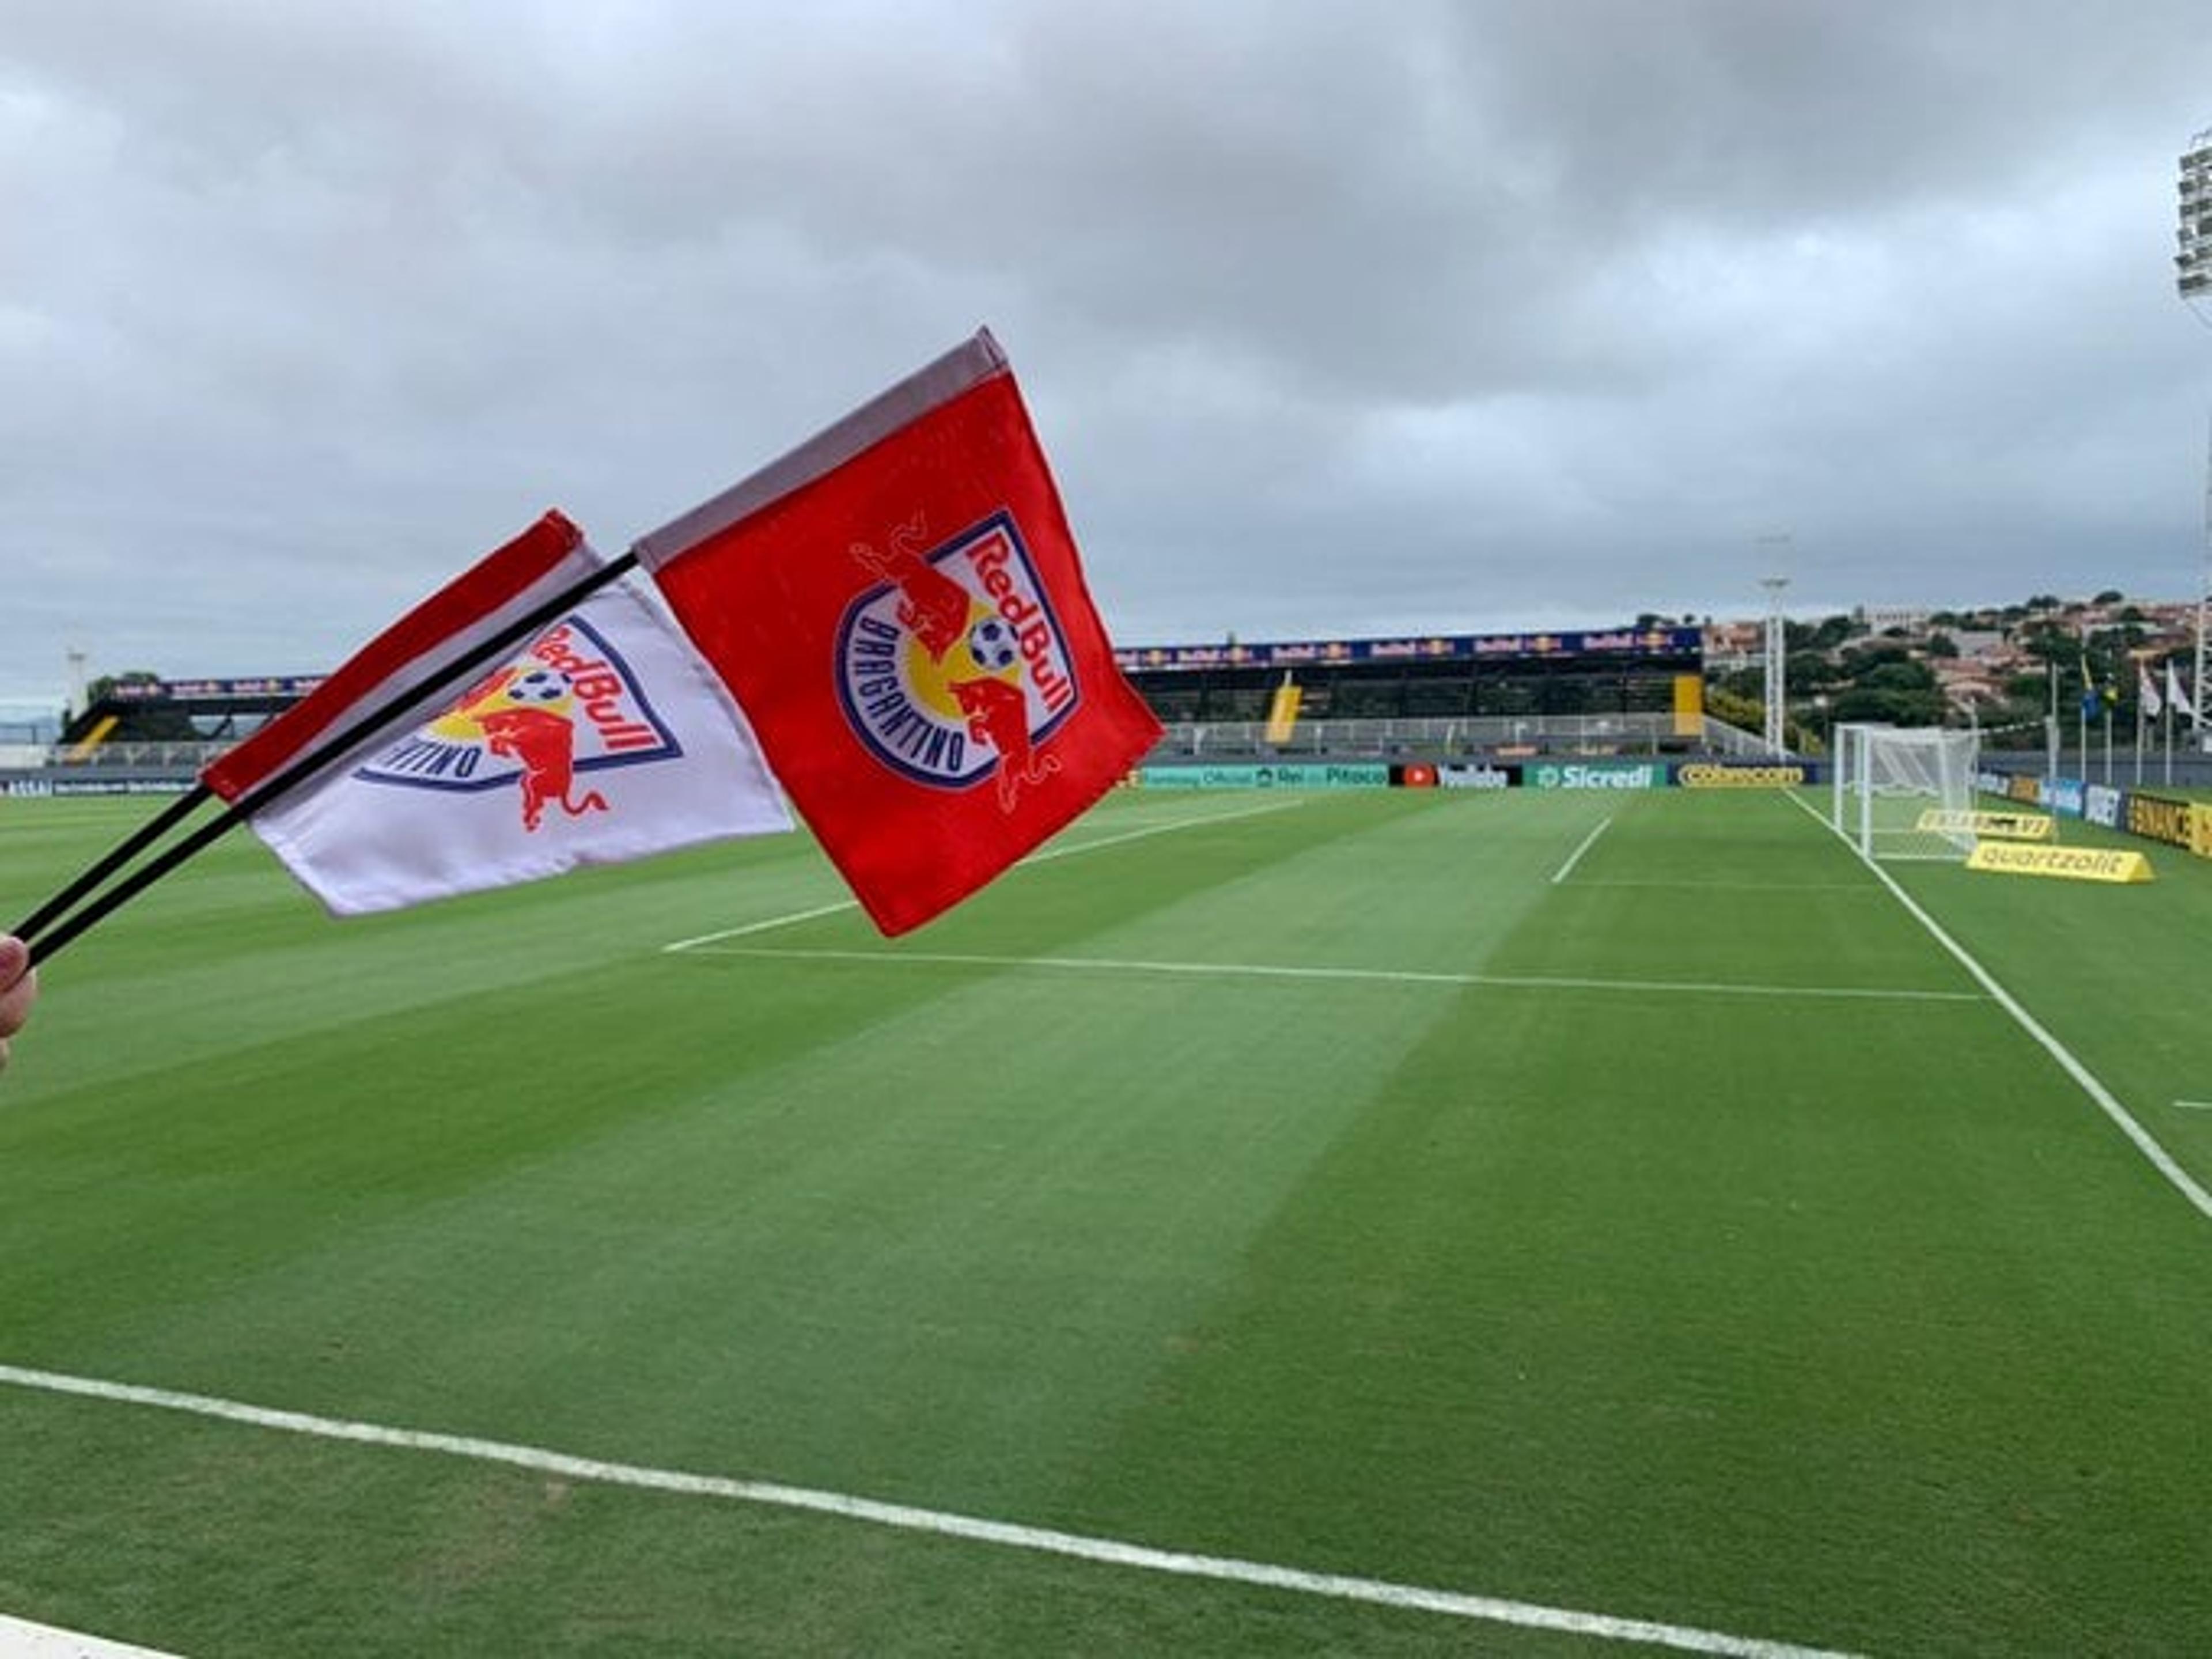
[(45, 948), (145, 836)]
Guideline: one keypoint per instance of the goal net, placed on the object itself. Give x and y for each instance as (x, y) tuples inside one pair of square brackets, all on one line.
[(1889, 780)]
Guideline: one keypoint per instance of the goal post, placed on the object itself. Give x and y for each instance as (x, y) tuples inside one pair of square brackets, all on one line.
[(1888, 778)]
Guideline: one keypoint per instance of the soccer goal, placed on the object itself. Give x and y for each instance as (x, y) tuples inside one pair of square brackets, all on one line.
[(1890, 779)]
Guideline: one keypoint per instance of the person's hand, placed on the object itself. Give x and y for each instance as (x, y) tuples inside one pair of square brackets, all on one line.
[(19, 988)]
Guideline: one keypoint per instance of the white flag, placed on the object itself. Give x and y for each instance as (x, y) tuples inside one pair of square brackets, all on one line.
[(604, 740), (2146, 692), (2179, 698)]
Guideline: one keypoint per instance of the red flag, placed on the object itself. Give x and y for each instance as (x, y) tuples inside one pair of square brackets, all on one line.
[(898, 607), (502, 587)]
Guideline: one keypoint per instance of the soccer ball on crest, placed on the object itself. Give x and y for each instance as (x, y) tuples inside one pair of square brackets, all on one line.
[(991, 642), (537, 685)]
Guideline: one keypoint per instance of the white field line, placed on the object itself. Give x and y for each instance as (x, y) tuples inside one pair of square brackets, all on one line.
[(1742, 887), (1576, 857), (2107, 1102), (1047, 856), (895, 957), (21, 1639), (2195, 1105), (906, 1517)]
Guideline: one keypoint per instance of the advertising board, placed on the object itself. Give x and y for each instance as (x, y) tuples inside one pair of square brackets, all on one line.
[(1736, 775), (1287, 775), (1582, 775)]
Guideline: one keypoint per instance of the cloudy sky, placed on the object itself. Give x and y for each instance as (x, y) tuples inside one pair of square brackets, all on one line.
[(1335, 317)]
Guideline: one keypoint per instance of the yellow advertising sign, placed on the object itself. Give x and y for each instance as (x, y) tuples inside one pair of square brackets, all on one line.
[(2071, 863), (2159, 817), (2009, 826), (1703, 777), (2200, 829)]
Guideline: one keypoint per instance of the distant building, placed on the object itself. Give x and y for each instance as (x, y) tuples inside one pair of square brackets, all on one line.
[(1881, 618)]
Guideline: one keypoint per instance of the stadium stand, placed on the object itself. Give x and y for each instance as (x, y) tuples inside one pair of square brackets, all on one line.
[(1437, 696), (1443, 696)]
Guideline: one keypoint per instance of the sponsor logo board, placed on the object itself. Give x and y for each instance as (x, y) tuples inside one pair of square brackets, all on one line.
[(1706, 774), (2066, 863), (1459, 776), (2157, 818), (1287, 775), (2005, 826), (1574, 775)]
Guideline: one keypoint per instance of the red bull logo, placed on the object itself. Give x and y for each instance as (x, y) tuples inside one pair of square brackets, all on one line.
[(954, 669), (567, 705)]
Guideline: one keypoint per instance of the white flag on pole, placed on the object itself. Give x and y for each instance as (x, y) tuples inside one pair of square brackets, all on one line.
[(2179, 698), (604, 740)]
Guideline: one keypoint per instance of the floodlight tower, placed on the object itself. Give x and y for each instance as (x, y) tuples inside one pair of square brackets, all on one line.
[(1776, 689), (2192, 267)]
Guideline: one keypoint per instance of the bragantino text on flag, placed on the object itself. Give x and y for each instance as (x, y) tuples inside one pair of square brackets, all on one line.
[(898, 607)]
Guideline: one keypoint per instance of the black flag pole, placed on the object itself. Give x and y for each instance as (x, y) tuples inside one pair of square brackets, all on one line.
[(136, 843), (50, 938)]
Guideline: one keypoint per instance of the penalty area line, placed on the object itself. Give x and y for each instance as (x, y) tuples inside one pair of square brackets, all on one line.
[(769, 924), (908, 1518), (1576, 857), (1386, 975)]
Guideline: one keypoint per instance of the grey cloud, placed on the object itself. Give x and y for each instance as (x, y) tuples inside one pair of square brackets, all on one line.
[(1334, 317)]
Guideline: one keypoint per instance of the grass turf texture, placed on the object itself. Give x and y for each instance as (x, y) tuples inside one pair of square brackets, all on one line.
[(1846, 1321)]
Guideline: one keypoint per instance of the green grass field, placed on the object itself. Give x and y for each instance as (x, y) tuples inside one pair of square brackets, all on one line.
[(1662, 1226)]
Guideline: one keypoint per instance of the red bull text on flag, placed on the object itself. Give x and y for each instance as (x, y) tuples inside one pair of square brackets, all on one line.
[(568, 704)]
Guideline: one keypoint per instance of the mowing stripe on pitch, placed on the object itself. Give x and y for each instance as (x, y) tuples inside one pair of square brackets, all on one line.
[(1576, 857), (907, 1518), (2106, 1100), (1047, 856), (894, 955)]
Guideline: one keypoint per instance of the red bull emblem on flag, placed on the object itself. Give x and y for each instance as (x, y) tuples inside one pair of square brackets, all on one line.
[(898, 607), (568, 704), (954, 669)]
